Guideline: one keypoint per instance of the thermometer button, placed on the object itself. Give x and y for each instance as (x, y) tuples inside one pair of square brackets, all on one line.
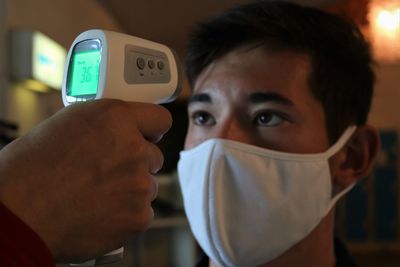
[(151, 64), (141, 63), (160, 65)]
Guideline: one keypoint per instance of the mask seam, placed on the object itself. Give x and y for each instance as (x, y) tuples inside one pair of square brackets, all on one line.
[(214, 247)]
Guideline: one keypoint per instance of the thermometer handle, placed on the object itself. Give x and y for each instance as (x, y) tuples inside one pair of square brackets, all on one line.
[(113, 256)]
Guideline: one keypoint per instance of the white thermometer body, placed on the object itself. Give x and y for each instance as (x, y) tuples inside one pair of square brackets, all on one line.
[(104, 64)]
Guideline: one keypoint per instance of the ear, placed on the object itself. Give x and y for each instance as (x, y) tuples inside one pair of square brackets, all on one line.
[(356, 159)]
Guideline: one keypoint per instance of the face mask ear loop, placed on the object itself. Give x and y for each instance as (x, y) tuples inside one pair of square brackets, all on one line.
[(333, 150), (341, 141), (339, 195)]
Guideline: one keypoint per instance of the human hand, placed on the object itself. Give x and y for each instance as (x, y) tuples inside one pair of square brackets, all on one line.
[(83, 179)]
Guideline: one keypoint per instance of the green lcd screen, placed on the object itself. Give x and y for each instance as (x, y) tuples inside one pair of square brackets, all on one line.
[(85, 73)]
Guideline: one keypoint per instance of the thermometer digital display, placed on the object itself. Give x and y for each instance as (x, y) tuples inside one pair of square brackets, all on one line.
[(85, 73)]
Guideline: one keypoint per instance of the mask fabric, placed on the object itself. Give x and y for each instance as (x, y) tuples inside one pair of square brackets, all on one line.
[(247, 205)]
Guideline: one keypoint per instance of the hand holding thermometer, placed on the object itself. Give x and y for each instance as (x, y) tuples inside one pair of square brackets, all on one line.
[(104, 64)]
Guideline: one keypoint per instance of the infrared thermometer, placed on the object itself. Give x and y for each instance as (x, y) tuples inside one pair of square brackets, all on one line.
[(105, 64)]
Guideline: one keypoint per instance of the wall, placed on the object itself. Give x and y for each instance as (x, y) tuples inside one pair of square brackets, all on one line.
[(385, 107), (61, 20)]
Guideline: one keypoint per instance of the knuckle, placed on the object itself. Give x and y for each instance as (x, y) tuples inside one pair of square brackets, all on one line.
[(139, 149), (109, 110), (157, 159), (143, 186), (161, 117), (158, 155), (146, 153), (143, 221), (166, 116)]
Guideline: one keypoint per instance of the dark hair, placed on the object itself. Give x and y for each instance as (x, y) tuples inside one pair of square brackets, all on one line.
[(341, 78)]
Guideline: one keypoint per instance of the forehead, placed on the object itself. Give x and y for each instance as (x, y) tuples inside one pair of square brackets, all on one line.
[(244, 71)]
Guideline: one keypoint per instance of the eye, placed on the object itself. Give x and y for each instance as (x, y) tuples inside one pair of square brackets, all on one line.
[(268, 119), (202, 118)]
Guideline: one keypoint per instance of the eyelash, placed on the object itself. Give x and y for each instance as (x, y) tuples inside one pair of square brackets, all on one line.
[(195, 115), (273, 115)]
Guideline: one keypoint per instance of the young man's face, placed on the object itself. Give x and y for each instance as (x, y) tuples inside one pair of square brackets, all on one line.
[(259, 98)]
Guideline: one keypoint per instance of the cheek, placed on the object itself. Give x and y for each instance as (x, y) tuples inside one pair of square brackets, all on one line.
[(192, 138), (188, 142), (195, 136)]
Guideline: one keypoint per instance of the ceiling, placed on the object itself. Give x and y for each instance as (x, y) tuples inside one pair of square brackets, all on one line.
[(169, 22)]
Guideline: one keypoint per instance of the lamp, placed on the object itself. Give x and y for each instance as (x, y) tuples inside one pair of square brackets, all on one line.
[(384, 26)]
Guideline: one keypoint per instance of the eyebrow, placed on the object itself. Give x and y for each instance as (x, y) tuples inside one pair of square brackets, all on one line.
[(201, 98), (261, 97), (255, 98)]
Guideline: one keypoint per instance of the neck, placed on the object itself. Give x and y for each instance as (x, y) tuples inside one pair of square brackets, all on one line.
[(314, 250)]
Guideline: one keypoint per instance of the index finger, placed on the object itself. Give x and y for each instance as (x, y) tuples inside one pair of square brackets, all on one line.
[(153, 120)]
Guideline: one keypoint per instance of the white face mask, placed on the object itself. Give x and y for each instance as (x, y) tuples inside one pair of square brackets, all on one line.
[(247, 205)]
